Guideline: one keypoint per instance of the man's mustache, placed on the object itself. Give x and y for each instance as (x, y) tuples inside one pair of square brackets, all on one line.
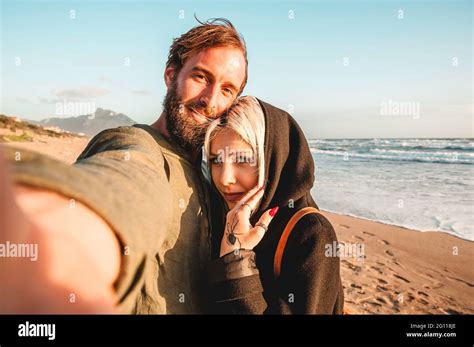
[(202, 108)]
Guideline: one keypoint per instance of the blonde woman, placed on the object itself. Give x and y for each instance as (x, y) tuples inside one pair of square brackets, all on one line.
[(260, 173)]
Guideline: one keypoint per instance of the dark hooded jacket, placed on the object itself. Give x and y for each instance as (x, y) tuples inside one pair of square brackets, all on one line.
[(310, 282)]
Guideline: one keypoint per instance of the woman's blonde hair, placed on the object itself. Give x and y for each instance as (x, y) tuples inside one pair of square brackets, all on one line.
[(246, 118)]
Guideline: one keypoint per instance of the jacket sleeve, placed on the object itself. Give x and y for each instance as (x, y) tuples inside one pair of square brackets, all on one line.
[(235, 284), (309, 283), (121, 176)]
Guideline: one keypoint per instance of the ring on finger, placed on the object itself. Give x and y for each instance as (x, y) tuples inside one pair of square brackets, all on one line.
[(251, 211), (263, 226)]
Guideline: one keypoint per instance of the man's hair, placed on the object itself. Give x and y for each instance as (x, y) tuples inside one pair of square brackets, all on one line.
[(216, 32)]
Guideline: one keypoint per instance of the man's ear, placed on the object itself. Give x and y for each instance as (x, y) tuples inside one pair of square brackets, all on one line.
[(169, 76)]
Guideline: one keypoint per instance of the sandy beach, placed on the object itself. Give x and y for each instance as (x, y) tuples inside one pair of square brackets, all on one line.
[(401, 271), (66, 149), (404, 271)]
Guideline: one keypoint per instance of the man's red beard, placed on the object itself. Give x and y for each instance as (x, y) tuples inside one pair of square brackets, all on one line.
[(182, 126)]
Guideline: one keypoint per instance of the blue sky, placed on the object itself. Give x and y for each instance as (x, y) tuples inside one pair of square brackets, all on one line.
[(344, 69)]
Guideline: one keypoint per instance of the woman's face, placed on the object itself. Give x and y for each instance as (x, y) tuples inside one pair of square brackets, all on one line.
[(234, 167)]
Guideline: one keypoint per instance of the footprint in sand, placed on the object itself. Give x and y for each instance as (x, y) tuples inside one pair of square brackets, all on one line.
[(449, 298), (382, 281), (373, 303), (359, 238), (401, 278), (377, 269), (398, 264), (382, 300), (390, 269), (351, 266), (367, 233), (423, 293), (344, 226), (356, 286), (381, 288), (432, 283), (460, 280), (423, 301), (390, 253), (384, 242)]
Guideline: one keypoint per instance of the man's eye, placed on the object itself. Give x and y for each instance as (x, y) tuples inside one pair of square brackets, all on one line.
[(200, 77), (229, 91)]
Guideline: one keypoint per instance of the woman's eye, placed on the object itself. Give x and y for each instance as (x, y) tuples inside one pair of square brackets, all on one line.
[(216, 160), (242, 160), (229, 91)]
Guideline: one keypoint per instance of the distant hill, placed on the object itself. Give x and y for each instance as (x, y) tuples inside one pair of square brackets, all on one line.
[(14, 129), (51, 141), (89, 124)]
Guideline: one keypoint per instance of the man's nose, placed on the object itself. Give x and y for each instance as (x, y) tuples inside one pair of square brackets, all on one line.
[(227, 174), (210, 98)]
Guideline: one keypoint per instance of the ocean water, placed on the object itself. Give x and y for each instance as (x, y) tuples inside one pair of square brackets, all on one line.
[(423, 184)]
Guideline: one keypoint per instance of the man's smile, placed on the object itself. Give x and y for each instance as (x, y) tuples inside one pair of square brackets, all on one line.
[(199, 116)]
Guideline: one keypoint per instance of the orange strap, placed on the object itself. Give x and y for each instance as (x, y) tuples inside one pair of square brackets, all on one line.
[(284, 238), (286, 234)]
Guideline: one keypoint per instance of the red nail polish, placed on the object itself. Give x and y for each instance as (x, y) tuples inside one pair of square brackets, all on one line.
[(274, 211)]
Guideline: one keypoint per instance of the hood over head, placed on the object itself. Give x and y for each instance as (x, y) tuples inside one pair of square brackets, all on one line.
[(289, 165), (289, 168)]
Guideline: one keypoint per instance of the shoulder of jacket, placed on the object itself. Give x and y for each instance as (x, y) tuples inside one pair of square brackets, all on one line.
[(124, 138), (314, 225), (123, 134)]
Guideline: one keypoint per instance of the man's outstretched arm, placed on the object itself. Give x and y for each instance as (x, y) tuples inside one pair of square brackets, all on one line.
[(113, 206), (74, 255)]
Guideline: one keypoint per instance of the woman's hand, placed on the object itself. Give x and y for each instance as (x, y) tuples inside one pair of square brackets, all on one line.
[(239, 233)]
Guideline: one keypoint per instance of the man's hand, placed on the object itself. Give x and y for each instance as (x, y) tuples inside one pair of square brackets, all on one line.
[(78, 255)]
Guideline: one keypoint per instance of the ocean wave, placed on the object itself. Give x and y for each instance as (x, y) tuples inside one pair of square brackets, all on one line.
[(409, 152), (413, 226), (418, 144), (426, 159), (467, 148)]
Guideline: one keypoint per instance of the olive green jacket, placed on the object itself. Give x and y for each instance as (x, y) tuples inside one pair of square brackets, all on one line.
[(148, 190)]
